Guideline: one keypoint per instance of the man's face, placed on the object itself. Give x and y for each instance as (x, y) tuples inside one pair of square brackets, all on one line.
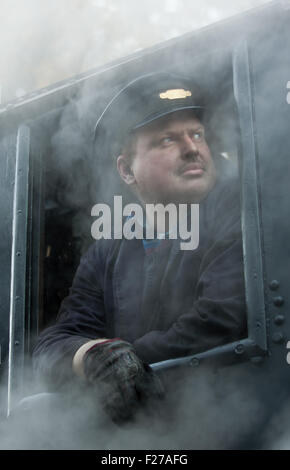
[(172, 162)]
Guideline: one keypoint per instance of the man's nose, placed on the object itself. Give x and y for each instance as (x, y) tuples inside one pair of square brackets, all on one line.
[(189, 147)]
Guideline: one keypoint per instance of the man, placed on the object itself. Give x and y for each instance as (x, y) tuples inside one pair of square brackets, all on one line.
[(136, 302)]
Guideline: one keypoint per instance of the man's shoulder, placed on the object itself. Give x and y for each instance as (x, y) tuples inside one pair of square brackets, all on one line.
[(224, 197), (225, 191), (222, 208)]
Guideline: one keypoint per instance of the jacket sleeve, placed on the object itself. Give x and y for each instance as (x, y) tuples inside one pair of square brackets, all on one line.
[(218, 313), (80, 319)]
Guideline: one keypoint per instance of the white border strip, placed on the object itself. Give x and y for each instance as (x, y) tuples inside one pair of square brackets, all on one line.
[(12, 283)]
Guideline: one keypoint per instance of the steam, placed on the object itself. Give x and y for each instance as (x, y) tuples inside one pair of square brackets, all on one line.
[(200, 411), (44, 42)]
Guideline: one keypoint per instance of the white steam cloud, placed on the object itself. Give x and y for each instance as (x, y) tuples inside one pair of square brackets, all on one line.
[(44, 42)]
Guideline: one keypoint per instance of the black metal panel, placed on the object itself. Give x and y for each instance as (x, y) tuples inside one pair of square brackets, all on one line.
[(271, 73), (251, 225)]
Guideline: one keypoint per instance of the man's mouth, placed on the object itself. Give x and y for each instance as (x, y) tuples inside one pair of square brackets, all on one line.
[(191, 169)]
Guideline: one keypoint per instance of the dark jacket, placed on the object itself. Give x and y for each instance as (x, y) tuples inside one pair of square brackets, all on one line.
[(167, 302)]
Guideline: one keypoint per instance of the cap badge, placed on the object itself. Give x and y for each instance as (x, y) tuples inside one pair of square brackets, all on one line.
[(174, 94)]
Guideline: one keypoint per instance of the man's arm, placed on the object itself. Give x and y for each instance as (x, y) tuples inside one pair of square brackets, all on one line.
[(217, 317), (81, 320)]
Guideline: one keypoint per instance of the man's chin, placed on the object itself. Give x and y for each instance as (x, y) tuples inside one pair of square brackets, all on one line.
[(194, 194)]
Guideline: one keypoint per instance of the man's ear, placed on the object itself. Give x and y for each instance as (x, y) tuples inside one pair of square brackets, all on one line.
[(125, 170)]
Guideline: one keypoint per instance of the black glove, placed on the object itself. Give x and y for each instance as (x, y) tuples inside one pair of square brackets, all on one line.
[(124, 382)]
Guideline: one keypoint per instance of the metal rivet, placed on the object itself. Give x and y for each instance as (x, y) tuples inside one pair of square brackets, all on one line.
[(239, 349), (18, 253), (16, 343), (274, 284), (278, 338), (194, 362), (279, 319), (278, 301)]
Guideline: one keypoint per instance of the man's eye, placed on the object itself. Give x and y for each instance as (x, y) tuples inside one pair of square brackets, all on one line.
[(166, 140), (198, 136)]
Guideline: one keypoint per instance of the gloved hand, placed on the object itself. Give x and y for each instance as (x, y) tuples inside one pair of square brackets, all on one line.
[(124, 383)]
